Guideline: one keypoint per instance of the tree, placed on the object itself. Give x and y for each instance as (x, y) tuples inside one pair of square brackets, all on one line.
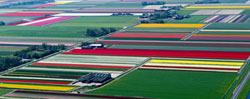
[(2, 23)]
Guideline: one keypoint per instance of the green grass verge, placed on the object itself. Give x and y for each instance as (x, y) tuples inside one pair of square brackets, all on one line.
[(185, 12), (4, 91), (193, 19), (229, 26), (244, 92), (170, 84)]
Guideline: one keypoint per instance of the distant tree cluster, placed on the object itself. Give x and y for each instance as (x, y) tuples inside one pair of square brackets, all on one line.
[(2, 23), (9, 62), (29, 2), (122, 14), (153, 3), (33, 52), (97, 32), (38, 51), (169, 14)]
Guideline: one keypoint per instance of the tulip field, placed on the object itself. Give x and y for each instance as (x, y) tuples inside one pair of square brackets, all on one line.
[(58, 72), (215, 65), (227, 19), (161, 53), (161, 49), (43, 21), (205, 85)]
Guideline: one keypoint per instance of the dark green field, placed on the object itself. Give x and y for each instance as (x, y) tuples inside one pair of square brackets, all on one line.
[(193, 19), (69, 29), (229, 26), (107, 21), (4, 91), (170, 84), (160, 30)]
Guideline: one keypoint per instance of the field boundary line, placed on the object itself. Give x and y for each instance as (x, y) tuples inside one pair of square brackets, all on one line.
[(234, 84), (123, 74), (195, 32)]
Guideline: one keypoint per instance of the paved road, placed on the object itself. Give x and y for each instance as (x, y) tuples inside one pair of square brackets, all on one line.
[(240, 86)]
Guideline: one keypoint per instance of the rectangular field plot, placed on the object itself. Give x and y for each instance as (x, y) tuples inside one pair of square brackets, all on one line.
[(215, 65), (204, 47), (9, 50), (162, 53), (217, 12), (170, 84), (117, 21), (37, 87), (227, 19), (159, 30), (101, 63), (65, 70), (192, 19), (170, 25), (42, 21), (147, 36), (226, 26)]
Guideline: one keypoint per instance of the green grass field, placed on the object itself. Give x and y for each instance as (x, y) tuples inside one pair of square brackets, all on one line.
[(68, 29), (107, 21), (245, 12), (229, 26), (4, 91), (5, 51), (185, 12), (193, 19), (170, 84)]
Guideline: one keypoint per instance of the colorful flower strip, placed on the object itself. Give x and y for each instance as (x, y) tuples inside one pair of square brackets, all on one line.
[(80, 65), (40, 75), (196, 62), (218, 7), (150, 35), (52, 21), (33, 43), (222, 35), (190, 69), (27, 14), (52, 4), (225, 19), (24, 22), (29, 81), (37, 87), (178, 43), (162, 53), (170, 25), (219, 38), (68, 70)]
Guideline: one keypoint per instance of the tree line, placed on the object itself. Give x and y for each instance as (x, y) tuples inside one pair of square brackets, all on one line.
[(97, 32), (153, 3), (38, 51), (169, 14), (2, 23), (25, 55)]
